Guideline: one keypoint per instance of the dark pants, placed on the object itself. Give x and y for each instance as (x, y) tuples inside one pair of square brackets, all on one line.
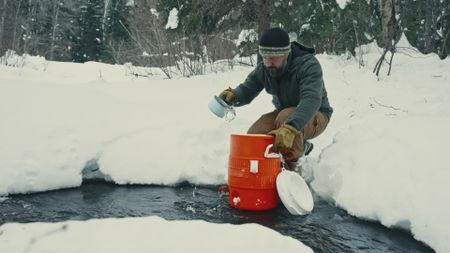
[(274, 120)]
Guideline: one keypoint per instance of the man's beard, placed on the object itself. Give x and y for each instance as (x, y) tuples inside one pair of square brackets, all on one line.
[(272, 69), (277, 72)]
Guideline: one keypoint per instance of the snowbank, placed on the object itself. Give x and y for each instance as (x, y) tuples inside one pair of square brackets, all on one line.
[(151, 234), (140, 131), (387, 158), (383, 156)]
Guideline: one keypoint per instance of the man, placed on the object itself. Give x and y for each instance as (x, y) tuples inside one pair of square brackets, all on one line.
[(293, 76)]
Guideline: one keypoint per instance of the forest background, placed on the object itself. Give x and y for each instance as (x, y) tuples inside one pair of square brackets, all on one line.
[(191, 33)]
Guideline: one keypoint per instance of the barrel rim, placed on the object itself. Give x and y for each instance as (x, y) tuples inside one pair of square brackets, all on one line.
[(265, 136)]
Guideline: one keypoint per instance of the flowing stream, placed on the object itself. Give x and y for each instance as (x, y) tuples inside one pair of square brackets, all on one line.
[(326, 229)]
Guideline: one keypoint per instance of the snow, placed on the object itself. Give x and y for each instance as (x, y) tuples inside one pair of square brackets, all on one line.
[(154, 12), (54, 122), (246, 36), (383, 156), (305, 27), (172, 21), (150, 234), (130, 3), (342, 3), (387, 159)]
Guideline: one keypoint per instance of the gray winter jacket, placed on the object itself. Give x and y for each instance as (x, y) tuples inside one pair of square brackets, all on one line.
[(300, 86)]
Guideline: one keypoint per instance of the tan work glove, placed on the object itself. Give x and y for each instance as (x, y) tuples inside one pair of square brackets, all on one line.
[(228, 95), (284, 138)]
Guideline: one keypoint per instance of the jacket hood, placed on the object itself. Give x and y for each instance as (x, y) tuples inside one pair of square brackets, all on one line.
[(298, 49), (299, 55)]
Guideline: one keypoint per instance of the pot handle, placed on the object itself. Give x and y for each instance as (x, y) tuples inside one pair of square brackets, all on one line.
[(272, 154)]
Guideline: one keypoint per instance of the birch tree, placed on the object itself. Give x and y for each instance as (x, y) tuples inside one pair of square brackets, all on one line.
[(55, 25), (388, 26)]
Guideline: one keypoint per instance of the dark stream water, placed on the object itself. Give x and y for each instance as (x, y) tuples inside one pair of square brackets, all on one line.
[(327, 229)]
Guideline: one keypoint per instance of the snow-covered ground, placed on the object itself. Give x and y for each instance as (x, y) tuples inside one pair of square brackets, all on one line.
[(150, 234), (383, 156)]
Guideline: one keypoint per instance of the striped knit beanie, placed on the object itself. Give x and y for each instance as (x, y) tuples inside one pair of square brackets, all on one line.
[(274, 42)]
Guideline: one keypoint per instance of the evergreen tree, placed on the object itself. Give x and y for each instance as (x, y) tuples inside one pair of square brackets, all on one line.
[(99, 30), (314, 23), (88, 39), (115, 29), (31, 27), (357, 26), (56, 28), (426, 24), (115, 23)]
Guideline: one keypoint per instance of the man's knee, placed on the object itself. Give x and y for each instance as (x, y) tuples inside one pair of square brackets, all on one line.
[(316, 126), (283, 115), (263, 125)]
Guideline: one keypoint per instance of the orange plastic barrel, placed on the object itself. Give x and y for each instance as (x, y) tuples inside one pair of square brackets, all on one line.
[(252, 172)]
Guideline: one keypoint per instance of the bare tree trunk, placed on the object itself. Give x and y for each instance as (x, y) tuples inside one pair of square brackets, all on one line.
[(428, 27), (358, 43), (263, 12), (2, 25), (55, 25), (388, 23), (445, 29), (16, 19), (443, 54), (28, 21), (105, 15)]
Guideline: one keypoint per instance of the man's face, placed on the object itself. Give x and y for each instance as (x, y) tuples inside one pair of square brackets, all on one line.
[(274, 62)]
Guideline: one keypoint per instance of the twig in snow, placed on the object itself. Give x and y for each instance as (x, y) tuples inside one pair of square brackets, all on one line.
[(100, 77), (386, 106), (37, 238)]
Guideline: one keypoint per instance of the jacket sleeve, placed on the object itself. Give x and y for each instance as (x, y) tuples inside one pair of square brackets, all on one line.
[(310, 89), (250, 88)]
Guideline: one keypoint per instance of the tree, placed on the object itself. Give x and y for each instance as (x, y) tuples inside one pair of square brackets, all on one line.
[(2, 23), (59, 27), (101, 30), (88, 42), (55, 22), (263, 10), (116, 36), (443, 26), (389, 32), (357, 26), (31, 27), (426, 24), (428, 27), (201, 19)]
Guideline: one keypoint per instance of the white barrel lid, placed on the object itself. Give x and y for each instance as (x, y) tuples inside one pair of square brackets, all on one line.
[(294, 193)]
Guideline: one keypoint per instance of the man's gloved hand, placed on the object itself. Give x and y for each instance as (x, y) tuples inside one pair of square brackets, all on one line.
[(284, 138), (228, 95)]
